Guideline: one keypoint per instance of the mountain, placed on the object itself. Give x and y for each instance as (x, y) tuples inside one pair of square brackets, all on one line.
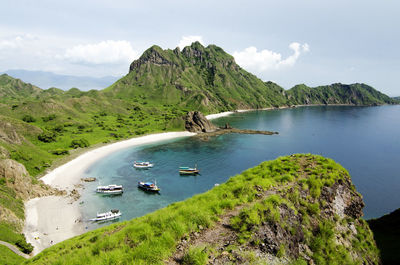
[(11, 88), (209, 80), (47, 80), (354, 94), (201, 78), (40, 126), (386, 231), (298, 209)]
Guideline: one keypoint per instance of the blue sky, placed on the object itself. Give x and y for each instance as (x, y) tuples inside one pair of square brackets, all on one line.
[(289, 42)]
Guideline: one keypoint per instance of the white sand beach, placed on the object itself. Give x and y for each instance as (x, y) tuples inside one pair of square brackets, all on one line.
[(219, 115), (52, 219)]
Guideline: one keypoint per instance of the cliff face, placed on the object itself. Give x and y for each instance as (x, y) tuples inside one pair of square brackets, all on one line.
[(295, 222), (195, 121), (16, 185)]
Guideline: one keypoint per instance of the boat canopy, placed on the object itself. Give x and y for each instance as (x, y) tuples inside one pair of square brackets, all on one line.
[(184, 168)]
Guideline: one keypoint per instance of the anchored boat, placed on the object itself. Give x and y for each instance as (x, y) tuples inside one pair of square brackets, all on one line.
[(188, 171), (148, 186), (110, 189), (142, 165), (111, 215)]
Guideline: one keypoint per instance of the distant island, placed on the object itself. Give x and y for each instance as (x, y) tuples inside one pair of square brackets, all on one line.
[(43, 128)]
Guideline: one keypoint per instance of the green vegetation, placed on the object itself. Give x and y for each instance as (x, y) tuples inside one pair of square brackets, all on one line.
[(386, 231), (196, 256), (355, 94), (161, 86), (7, 257), (152, 239), (41, 126), (8, 234)]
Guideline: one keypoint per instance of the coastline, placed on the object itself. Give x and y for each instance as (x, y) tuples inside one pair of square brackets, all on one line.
[(227, 113), (52, 219)]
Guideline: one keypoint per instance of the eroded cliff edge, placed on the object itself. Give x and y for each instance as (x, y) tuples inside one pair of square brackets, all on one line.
[(298, 209)]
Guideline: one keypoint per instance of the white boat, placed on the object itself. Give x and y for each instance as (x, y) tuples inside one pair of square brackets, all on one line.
[(110, 189), (140, 164), (111, 215)]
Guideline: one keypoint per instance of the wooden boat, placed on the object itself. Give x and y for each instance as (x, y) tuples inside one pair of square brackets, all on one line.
[(110, 189), (142, 165), (148, 186), (111, 215), (188, 171)]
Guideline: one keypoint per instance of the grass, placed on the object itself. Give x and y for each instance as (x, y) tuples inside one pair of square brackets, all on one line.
[(7, 257), (196, 256), (151, 239)]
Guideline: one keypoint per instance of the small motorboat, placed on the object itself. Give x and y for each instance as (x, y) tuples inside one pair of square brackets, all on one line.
[(148, 186), (111, 215), (142, 165), (110, 189), (188, 171)]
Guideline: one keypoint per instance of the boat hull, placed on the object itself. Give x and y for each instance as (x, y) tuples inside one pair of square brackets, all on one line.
[(189, 172), (143, 186), (110, 192), (107, 217)]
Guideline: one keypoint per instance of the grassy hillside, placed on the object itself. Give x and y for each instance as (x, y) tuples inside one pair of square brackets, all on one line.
[(198, 78), (161, 87), (386, 231), (296, 196), (7, 257), (354, 94), (38, 127)]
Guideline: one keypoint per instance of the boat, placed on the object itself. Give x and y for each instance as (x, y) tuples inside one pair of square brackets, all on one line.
[(188, 171), (111, 215), (148, 186), (142, 165), (110, 189)]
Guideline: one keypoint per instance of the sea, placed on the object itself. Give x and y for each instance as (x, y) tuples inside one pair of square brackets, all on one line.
[(365, 140)]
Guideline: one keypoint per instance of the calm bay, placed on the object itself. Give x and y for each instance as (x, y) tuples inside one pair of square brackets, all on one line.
[(365, 140)]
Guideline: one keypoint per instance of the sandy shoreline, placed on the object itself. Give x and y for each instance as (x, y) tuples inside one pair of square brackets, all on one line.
[(53, 219)]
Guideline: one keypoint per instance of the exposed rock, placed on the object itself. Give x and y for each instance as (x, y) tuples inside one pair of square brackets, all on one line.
[(195, 121), (221, 131), (4, 154), (151, 56), (17, 178), (8, 216), (8, 133), (91, 179), (287, 231)]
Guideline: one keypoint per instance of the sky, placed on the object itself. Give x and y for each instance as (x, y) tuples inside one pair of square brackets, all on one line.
[(312, 42)]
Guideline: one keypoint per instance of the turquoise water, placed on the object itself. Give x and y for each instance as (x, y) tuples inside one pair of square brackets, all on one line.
[(365, 140)]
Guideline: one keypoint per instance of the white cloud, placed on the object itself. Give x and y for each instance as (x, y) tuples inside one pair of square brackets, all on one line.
[(105, 52), (264, 60), (188, 40), (16, 41)]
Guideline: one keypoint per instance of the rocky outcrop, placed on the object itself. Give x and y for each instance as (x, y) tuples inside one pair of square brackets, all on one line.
[(152, 56), (15, 176), (293, 222), (195, 121)]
